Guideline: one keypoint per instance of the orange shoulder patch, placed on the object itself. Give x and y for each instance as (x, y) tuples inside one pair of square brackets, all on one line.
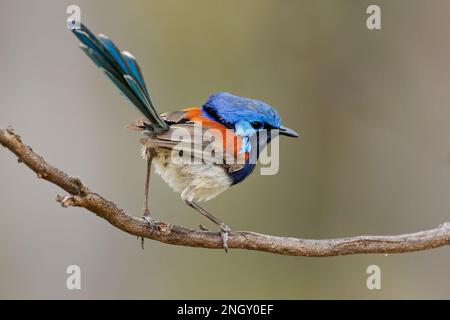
[(231, 142)]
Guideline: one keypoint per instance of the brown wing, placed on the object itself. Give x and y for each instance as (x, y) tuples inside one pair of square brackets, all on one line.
[(189, 137)]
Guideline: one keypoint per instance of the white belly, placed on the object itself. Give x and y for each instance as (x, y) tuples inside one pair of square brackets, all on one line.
[(195, 182)]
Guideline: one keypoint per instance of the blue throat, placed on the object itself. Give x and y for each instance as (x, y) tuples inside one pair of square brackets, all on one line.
[(239, 176)]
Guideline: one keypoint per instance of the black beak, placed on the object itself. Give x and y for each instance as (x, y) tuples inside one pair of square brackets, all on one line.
[(288, 132)]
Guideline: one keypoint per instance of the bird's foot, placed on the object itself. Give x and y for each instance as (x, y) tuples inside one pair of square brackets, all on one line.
[(148, 218), (224, 232), (150, 221)]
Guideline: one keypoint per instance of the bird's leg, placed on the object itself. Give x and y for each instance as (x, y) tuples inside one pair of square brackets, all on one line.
[(149, 153), (224, 229)]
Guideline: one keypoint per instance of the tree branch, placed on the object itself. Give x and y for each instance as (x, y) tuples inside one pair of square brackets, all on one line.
[(81, 196)]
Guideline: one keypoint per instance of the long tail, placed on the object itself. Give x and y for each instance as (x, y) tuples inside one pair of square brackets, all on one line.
[(123, 70)]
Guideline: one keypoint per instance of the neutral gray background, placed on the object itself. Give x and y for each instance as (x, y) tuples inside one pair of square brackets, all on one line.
[(372, 106)]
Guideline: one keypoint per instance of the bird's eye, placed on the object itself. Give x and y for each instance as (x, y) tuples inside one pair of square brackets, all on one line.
[(256, 125)]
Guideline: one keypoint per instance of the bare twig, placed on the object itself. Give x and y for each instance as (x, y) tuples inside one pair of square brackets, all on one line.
[(81, 196)]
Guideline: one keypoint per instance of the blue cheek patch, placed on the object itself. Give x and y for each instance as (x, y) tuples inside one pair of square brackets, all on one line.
[(244, 130), (246, 146)]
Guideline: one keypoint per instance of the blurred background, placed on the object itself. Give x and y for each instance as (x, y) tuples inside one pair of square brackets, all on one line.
[(373, 108)]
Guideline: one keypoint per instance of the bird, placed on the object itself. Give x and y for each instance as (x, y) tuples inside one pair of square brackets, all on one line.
[(239, 121)]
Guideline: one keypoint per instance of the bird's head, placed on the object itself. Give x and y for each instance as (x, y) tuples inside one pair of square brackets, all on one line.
[(246, 116)]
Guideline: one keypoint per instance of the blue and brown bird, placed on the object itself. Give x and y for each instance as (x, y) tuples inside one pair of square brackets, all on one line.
[(238, 119)]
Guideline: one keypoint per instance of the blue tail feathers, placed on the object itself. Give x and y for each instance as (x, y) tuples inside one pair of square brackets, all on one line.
[(123, 70)]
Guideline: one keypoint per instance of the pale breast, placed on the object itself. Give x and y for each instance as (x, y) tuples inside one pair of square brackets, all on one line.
[(195, 182)]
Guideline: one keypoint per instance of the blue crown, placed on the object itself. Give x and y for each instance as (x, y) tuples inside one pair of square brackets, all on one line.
[(229, 109)]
